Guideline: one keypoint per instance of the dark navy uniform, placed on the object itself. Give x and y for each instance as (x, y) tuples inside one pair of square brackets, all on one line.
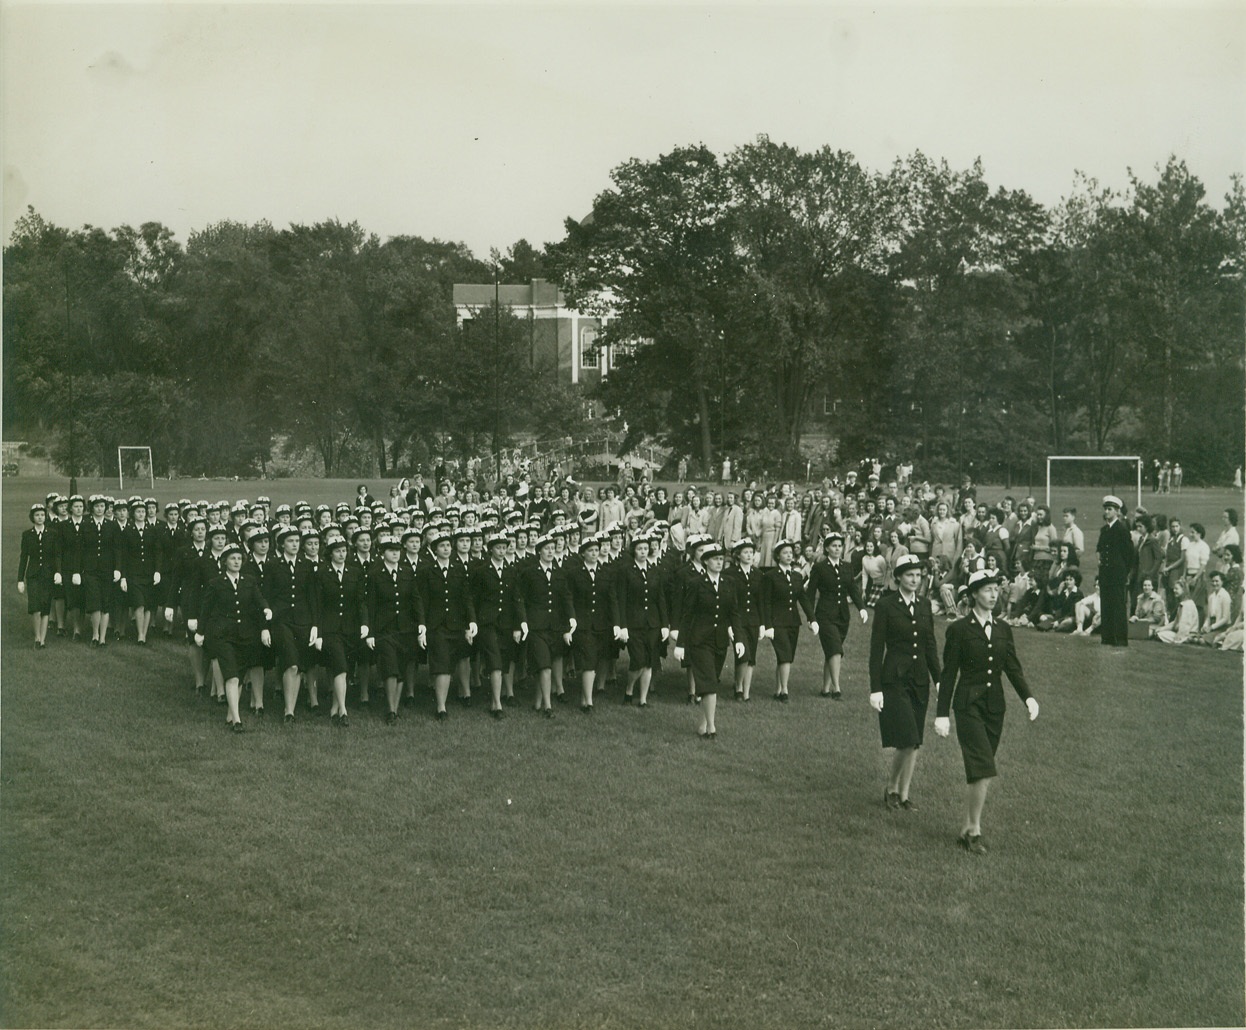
[(291, 589), (392, 605), (34, 568), (591, 608), (638, 605), (68, 562), (231, 621), (493, 591), (99, 562), (542, 601), (343, 610), (707, 611), (782, 600), (1116, 560), (747, 587), (830, 588), (904, 656), (972, 687), (445, 607), (139, 562)]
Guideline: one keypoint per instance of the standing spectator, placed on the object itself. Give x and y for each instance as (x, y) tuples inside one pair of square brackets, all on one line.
[(1073, 532), (1173, 570), (732, 523), (1177, 476), (726, 477), (945, 533), (1227, 536), (769, 523), (1045, 540), (1116, 561), (683, 469), (790, 528), (1197, 558)]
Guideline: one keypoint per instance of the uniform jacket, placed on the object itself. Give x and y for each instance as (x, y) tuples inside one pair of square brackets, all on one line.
[(973, 666), (748, 594), (493, 591), (342, 603), (391, 600), (542, 601), (444, 599), (830, 589), (36, 559), (591, 604), (708, 612), (232, 612), (903, 650), (292, 593), (638, 601), (783, 598)]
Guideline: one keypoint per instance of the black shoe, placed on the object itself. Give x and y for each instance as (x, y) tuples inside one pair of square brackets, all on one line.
[(466, 702), (343, 720), (288, 719), (141, 643), (644, 704), (561, 698), (891, 800), (714, 735), (237, 728), (704, 736), (333, 717), (259, 712), (783, 698), (549, 713), (837, 695), (824, 693), (739, 695), (391, 718), (220, 700), (627, 699), (443, 715), (496, 713), (972, 843), (778, 697), (907, 805)]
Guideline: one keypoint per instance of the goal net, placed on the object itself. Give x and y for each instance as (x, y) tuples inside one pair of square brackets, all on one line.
[(1119, 474), (134, 466)]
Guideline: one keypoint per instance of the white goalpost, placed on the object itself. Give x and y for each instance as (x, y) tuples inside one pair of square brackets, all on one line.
[(1137, 462), (137, 462)]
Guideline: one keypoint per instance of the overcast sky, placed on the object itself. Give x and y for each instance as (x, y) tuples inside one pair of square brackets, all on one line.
[(490, 123)]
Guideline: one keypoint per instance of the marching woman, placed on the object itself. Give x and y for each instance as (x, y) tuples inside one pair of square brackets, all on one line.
[(309, 554), (592, 643), (293, 595), (978, 653), (445, 614), (904, 657), (640, 620), (393, 613), (233, 627), (782, 600), (831, 587), (69, 556), (343, 619), (493, 588), (181, 593), (709, 623), (34, 572), (747, 583), (140, 568), (543, 611)]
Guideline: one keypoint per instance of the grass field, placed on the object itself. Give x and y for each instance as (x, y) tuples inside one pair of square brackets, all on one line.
[(614, 871)]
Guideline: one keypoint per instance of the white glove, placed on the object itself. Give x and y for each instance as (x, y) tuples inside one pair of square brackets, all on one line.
[(192, 624), (1031, 706), (739, 649), (76, 580), (523, 631), (813, 625), (155, 579), (311, 637), (268, 615), (876, 701), (679, 653), (116, 575), (371, 642), (363, 632), (620, 635), (422, 635), (942, 725), (517, 636), (56, 578), (566, 639), (472, 630), (198, 640), (168, 615), (319, 644), (125, 589), (864, 615), (21, 588), (266, 638), (769, 634), (666, 632)]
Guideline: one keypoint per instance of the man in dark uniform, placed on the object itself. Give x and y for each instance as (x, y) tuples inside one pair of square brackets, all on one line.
[(979, 650), (1116, 561), (830, 588), (903, 658)]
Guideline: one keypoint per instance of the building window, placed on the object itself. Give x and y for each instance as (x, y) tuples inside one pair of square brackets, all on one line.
[(590, 353)]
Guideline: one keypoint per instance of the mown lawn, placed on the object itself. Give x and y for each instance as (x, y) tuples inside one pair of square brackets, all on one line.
[(614, 870)]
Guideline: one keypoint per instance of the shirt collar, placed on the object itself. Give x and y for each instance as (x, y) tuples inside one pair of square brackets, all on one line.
[(988, 621)]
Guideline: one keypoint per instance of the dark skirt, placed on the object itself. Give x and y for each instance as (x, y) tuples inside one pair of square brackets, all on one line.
[(94, 594), (334, 654), (591, 648), (902, 721), (495, 647), (39, 595), (544, 647), (291, 646), (644, 649), (831, 637), (784, 642), (393, 653), (978, 730), (234, 657), (750, 647), (446, 648), (706, 662)]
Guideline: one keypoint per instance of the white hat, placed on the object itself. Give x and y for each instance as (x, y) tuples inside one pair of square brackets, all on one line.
[(1113, 499)]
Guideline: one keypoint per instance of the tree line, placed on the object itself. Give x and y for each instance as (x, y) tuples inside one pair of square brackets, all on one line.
[(786, 297), (927, 313), (320, 338)]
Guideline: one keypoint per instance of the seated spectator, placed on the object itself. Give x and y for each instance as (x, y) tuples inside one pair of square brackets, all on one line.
[(1232, 573), (1184, 622), (1150, 607), (1063, 603), (1065, 560), (1231, 640), (1087, 613), (1022, 593), (993, 567), (1228, 535), (1218, 617)]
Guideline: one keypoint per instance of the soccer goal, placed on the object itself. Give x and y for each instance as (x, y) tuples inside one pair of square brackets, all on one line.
[(1119, 473), (134, 464)]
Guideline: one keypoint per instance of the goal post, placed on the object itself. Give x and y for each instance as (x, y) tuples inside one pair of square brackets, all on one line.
[(1133, 458), (136, 461)]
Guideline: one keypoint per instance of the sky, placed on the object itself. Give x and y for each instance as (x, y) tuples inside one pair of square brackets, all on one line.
[(486, 124)]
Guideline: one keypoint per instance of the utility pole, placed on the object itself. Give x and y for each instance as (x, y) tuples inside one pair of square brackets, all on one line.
[(497, 375), (73, 465)]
